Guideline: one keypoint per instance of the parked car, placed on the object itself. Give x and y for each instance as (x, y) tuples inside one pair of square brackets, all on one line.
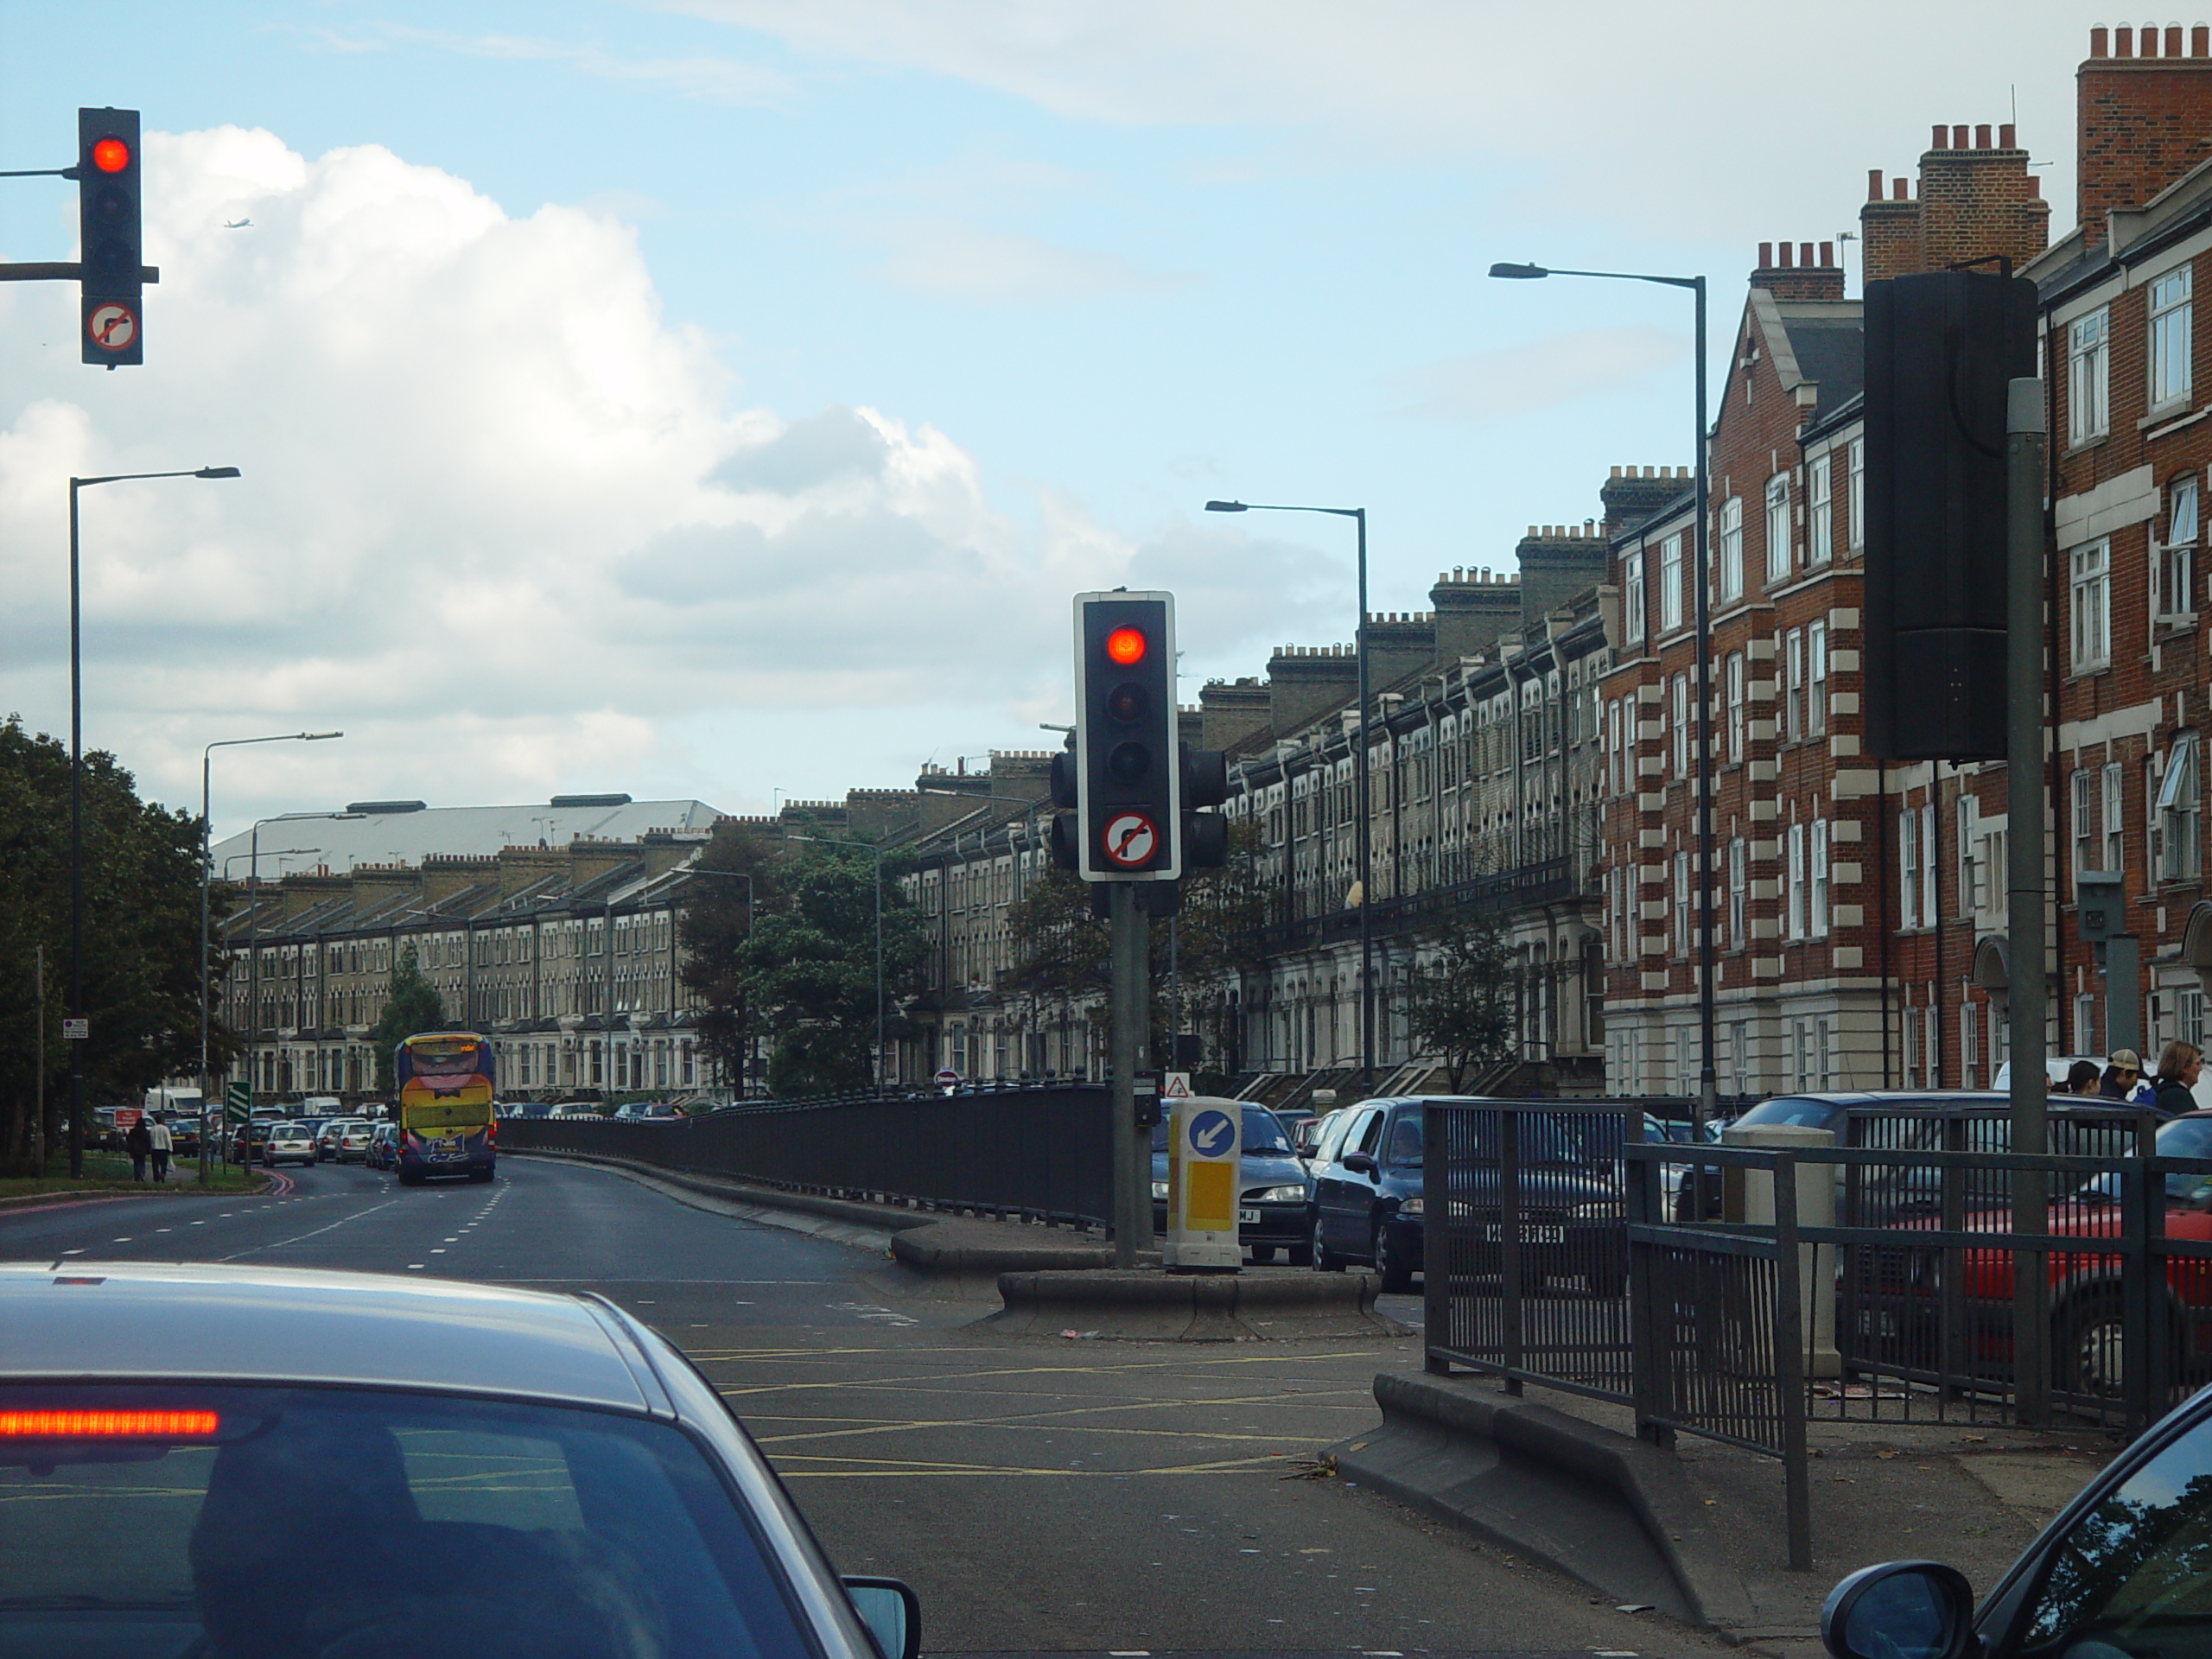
[(1369, 1201), (647, 1111), (249, 1141), (2120, 1571), (1272, 1189), (332, 1131), (288, 1143), (291, 1507)]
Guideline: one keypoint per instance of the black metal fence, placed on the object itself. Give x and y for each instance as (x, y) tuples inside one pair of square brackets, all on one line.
[(1744, 1291), (1041, 1154)]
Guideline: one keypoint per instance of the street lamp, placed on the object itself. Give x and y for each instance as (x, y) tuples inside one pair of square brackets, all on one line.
[(1359, 774), (77, 806), (207, 756), (1708, 1078), (876, 1068)]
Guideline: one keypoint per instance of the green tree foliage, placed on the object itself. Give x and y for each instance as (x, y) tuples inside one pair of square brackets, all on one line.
[(411, 1004), (717, 918), (1060, 949), (807, 969), (141, 937), (1460, 1003)]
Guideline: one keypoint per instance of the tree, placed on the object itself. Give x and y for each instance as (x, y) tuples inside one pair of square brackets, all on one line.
[(808, 966), (1460, 1005), (411, 1004), (737, 872), (141, 937)]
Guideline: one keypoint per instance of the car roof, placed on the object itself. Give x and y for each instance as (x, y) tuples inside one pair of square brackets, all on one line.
[(96, 1320)]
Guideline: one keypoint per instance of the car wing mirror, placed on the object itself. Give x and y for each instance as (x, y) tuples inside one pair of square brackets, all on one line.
[(1900, 1609), (892, 1613), (1361, 1162)]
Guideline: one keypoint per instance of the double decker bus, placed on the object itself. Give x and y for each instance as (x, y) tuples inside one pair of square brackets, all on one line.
[(444, 1115)]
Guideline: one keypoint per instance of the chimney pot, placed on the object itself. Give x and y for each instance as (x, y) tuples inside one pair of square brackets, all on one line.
[(1828, 256), (1897, 189), (2008, 136), (1617, 472), (2100, 43), (1766, 254), (1785, 257), (1805, 255), (2146, 43), (2123, 41), (1981, 136), (2173, 40), (1940, 138), (2200, 41), (1958, 137), (1648, 472), (1873, 184)]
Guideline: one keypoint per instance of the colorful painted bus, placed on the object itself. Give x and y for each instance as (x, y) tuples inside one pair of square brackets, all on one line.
[(443, 1116)]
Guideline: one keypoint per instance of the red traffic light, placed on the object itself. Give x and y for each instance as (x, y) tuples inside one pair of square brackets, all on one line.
[(110, 155), (1126, 646)]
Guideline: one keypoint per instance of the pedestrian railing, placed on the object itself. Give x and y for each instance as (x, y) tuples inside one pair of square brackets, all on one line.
[(1752, 1290), (1039, 1153)]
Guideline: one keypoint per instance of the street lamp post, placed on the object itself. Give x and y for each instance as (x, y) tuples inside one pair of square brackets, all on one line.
[(1708, 1077), (1358, 515), (77, 801), (875, 1067), (207, 756)]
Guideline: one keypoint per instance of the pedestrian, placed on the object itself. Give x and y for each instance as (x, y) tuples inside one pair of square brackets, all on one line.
[(2178, 1064), (2121, 1074), (2082, 1077), (139, 1144), (160, 1145)]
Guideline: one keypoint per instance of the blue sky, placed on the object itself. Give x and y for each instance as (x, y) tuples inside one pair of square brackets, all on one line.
[(1084, 264)]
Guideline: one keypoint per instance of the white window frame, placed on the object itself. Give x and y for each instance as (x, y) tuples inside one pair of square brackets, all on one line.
[(1928, 916), (2154, 843), (1681, 906), (1909, 867), (1858, 493), (1679, 721), (1670, 583), (2168, 368), (1733, 676), (1633, 617), (1820, 509), (1732, 548), (1794, 866), (2174, 588), (2080, 798), (1738, 892), (1816, 677), (1817, 910), (1780, 558), (2177, 811), (2111, 818), (2088, 377), (2089, 607), (1793, 684)]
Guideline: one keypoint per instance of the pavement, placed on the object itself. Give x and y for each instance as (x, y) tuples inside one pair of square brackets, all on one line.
[(1060, 1495)]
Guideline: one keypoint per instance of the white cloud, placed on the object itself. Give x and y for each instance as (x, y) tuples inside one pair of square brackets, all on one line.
[(501, 520), (1521, 379), (948, 260)]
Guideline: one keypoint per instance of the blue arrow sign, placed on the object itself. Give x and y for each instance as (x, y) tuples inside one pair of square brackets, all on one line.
[(1212, 1133)]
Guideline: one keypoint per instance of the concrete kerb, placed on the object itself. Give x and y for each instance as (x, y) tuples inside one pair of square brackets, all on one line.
[(1613, 1511), (1148, 1306)]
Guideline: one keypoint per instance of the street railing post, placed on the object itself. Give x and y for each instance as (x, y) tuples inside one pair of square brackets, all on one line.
[(1440, 1248), (1789, 1363), (1509, 1242)]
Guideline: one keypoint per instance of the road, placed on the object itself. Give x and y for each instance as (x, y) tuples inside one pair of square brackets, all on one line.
[(1043, 1496)]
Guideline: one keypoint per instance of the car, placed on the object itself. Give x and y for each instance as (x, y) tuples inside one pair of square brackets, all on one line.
[(332, 1131), (326, 1463), (1272, 1187), (382, 1151), (287, 1143), (354, 1143), (647, 1111), (248, 1145), (2118, 1571), (1370, 1200)]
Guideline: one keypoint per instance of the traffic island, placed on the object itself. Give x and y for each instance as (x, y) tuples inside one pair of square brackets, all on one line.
[(1614, 1511), (1146, 1305)]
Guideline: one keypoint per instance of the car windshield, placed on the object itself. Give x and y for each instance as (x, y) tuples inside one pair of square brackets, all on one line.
[(1796, 1112), (1263, 1133), (336, 1522)]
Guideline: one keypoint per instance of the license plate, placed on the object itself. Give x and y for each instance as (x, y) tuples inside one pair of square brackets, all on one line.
[(1248, 1216), (1551, 1234)]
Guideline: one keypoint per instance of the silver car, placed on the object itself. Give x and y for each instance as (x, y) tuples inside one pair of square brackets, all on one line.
[(231, 1460), (288, 1143)]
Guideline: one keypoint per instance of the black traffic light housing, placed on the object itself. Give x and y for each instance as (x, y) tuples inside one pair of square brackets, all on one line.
[(1942, 348), (1066, 792), (1128, 769), (111, 238), (1205, 783)]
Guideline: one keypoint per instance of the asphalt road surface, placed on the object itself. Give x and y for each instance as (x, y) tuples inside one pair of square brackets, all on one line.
[(1043, 1496)]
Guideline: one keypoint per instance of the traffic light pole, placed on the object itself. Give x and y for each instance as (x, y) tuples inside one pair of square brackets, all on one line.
[(2024, 438), (1128, 1039)]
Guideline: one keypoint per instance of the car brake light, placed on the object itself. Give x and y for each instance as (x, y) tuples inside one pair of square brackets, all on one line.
[(109, 1425)]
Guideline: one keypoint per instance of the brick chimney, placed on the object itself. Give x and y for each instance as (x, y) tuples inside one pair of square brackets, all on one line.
[(1793, 273), (1630, 497), (1975, 198), (2145, 118), (1473, 608), (1230, 712), (1557, 562)]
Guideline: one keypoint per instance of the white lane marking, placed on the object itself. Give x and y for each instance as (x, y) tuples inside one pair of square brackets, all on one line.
[(412, 1265), (316, 1233)]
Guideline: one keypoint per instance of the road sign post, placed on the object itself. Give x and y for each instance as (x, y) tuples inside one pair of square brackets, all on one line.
[(1128, 1043), (1205, 1153)]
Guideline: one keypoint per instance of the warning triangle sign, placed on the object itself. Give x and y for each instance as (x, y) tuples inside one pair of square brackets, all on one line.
[(1176, 1086)]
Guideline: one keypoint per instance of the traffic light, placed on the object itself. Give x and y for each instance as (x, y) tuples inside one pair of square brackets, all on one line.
[(1942, 350), (112, 247), (1127, 762), (1205, 783), (1067, 793)]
